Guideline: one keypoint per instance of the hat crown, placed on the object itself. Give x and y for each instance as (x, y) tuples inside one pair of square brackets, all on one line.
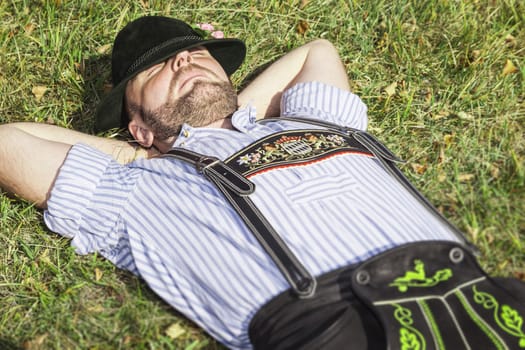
[(142, 38)]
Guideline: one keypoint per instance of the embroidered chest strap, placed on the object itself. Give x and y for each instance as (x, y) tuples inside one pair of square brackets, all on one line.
[(236, 189), (388, 159), (291, 148)]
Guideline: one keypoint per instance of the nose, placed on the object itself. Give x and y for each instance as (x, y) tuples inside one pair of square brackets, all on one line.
[(180, 60)]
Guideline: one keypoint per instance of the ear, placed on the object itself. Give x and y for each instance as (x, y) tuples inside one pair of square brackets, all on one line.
[(141, 133)]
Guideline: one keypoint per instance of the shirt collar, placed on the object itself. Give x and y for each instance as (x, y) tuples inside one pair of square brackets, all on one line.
[(243, 120)]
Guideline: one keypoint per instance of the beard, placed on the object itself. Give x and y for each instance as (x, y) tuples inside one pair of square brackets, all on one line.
[(204, 104)]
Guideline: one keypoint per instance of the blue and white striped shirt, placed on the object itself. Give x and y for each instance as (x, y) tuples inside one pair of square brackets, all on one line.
[(163, 221)]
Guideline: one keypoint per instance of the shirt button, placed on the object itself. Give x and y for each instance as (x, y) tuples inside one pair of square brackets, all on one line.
[(186, 133)]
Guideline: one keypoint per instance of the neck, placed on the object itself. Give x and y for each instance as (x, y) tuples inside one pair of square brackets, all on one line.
[(225, 123), (164, 145)]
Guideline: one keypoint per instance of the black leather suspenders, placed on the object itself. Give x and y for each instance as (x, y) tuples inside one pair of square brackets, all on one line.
[(236, 189), (229, 178)]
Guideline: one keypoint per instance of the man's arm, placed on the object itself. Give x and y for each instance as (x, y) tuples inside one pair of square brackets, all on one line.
[(123, 152), (315, 61), (29, 164), (31, 155)]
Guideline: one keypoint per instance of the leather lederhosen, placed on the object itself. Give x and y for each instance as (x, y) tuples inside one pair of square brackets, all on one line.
[(332, 319), (425, 295)]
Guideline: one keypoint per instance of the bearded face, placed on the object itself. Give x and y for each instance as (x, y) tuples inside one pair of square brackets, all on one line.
[(191, 87), (204, 104)]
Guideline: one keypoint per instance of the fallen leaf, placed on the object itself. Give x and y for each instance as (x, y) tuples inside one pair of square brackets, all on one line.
[(103, 49), (418, 168), (36, 343), (174, 331), (465, 116), (39, 91), (428, 96), (254, 11), (474, 55), (494, 171), (448, 139), (509, 68), (29, 28), (465, 177), (442, 176), (442, 156), (302, 27), (96, 309), (441, 114), (98, 274), (391, 89), (510, 40)]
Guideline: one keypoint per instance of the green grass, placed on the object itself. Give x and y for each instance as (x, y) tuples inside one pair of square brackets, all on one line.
[(454, 115)]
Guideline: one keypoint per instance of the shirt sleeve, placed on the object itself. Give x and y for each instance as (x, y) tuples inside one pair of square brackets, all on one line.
[(87, 201), (325, 102)]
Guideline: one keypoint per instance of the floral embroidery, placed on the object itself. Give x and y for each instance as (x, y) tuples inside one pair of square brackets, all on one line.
[(293, 147)]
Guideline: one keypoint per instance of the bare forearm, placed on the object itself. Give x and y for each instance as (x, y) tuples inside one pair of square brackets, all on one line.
[(315, 61), (122, 151), (28, 164)]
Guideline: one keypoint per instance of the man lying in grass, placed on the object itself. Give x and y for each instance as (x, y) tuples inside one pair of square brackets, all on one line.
[(290, 232)]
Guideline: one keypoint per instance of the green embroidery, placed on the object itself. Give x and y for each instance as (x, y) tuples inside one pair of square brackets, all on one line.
[(433, 325), (479, 322), (409, 337), (507, 318), (418, 277)]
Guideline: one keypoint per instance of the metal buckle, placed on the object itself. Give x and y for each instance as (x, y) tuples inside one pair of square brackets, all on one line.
[(204, 162)]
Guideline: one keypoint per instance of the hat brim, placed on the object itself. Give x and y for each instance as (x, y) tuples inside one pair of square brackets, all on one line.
[(229, 53)]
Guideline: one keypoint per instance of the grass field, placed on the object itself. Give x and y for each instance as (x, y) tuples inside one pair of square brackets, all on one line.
[(444, 81)]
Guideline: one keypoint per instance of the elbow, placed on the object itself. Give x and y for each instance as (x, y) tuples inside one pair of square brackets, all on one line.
[(322, 44)]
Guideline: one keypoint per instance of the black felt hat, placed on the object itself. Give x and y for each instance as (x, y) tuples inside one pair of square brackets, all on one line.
[(147, 41)]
